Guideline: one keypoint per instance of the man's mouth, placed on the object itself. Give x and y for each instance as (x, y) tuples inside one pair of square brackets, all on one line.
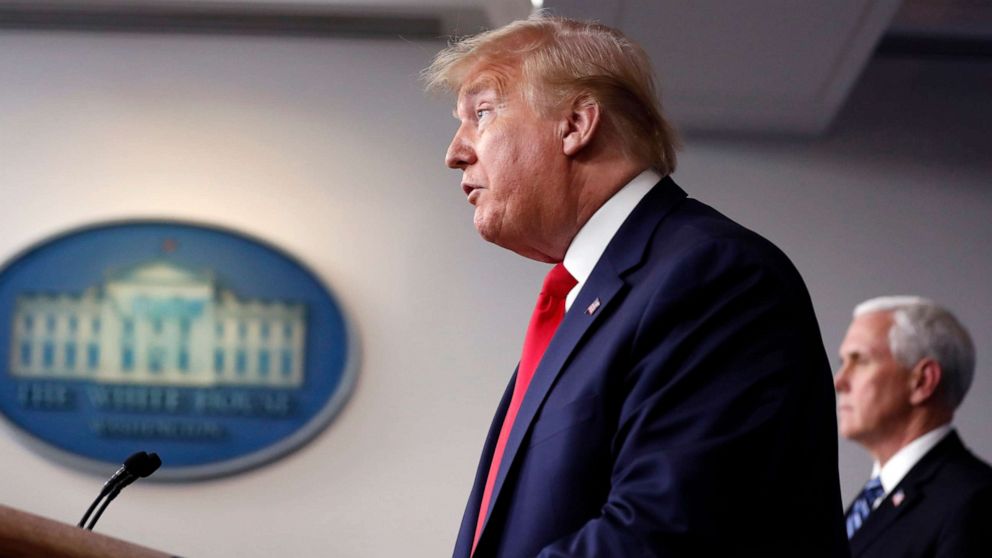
[(472, 192)]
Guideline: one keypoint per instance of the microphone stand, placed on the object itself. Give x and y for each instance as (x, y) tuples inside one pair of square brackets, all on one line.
[(107, 488), (137, 466), (118, 486)]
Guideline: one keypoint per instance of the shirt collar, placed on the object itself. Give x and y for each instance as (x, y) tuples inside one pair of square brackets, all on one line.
[(898, 465), (591, 241)]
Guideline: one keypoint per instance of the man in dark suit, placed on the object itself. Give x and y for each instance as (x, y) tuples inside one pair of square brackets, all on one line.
[(907, 364), (673, 397)]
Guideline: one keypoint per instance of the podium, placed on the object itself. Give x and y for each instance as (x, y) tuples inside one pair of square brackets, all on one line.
[(27, 535)]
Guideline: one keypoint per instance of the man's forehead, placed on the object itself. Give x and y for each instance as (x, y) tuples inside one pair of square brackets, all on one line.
[(867, 333), (483, 84), (490, 75), (480, 84)]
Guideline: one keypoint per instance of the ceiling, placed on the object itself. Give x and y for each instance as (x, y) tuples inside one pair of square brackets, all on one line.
[(946, 18), (748, 66), (776, 66)]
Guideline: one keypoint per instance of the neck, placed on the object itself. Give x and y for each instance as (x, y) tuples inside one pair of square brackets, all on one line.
[(598, 183), (594, 179), (917, 426)]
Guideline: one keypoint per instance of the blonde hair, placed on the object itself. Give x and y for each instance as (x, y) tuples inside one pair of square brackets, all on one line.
[(560, 60)]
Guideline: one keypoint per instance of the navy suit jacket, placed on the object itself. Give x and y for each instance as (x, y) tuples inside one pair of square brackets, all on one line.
[(684, 407), (941, 508)]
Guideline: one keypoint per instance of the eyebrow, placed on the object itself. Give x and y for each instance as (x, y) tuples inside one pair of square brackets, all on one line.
[(485, 81), (475, 89), (480, 87), (854, 354)]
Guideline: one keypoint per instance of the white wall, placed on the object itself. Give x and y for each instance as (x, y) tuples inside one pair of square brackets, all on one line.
[(328, 149), (897, 199)]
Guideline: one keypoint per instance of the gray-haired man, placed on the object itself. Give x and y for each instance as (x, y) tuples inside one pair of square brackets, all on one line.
[(906, 366)]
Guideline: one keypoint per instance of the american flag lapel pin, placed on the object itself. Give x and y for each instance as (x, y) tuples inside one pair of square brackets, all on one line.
[(593, 307), (898, 498)]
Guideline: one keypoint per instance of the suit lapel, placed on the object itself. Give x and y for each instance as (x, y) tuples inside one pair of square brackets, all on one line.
[(569, 333), (883, 517), (907, 494), (466, 534), (600, 292)]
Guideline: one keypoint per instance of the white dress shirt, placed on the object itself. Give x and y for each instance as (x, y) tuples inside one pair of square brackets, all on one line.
[(591, 241), (899, 464)]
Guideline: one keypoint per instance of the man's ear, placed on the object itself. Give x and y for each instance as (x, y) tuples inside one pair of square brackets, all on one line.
[(580, 123), (925, 378)]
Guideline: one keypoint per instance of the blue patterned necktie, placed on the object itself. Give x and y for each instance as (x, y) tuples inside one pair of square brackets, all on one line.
[(861, 508)]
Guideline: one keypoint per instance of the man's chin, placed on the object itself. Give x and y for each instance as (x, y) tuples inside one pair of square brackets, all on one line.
[(848, 432), (491, 231), (484, 226)]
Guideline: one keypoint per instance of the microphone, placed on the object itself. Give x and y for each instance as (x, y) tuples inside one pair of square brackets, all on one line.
[(129, 465), (138, 465)]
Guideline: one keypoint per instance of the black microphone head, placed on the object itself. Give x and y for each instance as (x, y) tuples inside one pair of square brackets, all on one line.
[(149, 465), (135, 460)]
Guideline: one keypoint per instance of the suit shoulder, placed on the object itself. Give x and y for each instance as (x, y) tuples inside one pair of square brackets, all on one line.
[(694, 223), (963, 499), (699, 237), (966, 470)]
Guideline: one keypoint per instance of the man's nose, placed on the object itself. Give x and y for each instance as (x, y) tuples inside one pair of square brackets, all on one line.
[(460, 153), (840, 379)]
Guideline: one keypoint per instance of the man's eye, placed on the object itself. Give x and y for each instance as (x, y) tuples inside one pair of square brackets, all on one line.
[(480, 113)]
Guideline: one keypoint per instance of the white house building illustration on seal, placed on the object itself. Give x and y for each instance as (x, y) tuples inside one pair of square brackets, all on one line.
[(159, 323)]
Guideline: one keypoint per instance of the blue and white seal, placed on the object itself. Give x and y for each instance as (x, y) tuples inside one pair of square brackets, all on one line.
[(213, 349)]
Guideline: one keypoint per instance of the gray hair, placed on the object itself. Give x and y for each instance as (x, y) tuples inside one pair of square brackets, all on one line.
[(921, 329)]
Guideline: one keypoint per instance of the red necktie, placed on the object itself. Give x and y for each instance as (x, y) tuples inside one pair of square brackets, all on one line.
[(548, 313)]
